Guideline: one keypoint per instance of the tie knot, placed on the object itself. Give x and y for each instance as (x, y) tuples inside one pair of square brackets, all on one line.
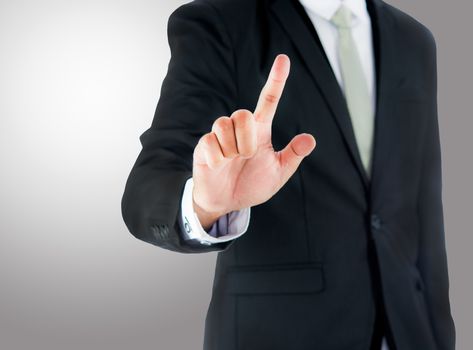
[(342, 18)]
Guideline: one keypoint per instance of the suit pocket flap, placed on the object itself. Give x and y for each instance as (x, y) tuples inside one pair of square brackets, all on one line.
[(291, 279)]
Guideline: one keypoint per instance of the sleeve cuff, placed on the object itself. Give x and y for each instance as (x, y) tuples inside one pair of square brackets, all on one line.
[(227, 228)]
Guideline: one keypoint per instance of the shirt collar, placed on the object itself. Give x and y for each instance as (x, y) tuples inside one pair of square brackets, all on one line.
[(327, 8)]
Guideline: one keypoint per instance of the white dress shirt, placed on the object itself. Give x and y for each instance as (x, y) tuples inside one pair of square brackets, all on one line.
[(320, 12)]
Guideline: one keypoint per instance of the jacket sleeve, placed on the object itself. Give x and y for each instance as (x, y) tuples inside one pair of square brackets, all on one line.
[(199, 87), (432, 258)]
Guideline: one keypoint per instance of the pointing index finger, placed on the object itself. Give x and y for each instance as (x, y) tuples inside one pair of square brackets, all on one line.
[(272, 90)]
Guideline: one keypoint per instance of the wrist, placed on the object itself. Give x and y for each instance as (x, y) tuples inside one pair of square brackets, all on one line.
[(206, 218)]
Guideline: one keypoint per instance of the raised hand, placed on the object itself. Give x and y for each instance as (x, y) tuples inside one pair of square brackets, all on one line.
[(235, 165)]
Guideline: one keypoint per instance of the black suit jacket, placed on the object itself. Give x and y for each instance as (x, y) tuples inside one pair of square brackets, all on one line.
[(303, 276)]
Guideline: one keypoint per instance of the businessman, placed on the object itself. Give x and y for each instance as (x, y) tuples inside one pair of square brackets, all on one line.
[(338, 245)]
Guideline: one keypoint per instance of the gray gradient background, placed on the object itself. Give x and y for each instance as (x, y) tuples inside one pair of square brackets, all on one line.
[(79, 82)]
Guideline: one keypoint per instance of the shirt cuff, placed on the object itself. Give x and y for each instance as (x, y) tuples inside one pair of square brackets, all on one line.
[(226, 228)]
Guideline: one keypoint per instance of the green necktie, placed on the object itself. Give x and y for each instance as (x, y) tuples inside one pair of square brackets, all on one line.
[(355, 87)]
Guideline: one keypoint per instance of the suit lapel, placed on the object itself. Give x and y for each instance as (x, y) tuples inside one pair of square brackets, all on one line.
[(320, 70), (387, 78)]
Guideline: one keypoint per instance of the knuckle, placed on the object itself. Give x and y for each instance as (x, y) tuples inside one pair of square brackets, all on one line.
[(207, 139), (271, 98), (242, 117), (203, 140), (222, 124)]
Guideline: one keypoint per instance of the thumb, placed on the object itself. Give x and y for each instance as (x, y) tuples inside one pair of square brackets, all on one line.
[(293, 154)]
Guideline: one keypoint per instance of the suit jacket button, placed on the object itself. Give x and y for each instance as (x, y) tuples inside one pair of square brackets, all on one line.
[(419, 285), (375, 222)]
